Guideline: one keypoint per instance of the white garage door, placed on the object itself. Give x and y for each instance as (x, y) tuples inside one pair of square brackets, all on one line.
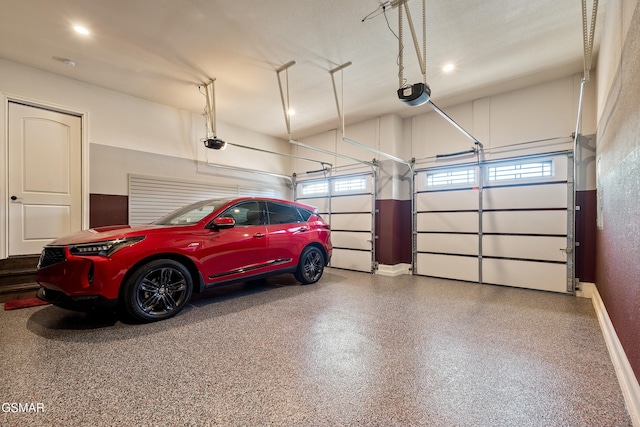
[(506, 223), (347, 203)]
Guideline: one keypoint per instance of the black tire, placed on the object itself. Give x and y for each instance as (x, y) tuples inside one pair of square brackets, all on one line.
[(310, 266), (157, 290)]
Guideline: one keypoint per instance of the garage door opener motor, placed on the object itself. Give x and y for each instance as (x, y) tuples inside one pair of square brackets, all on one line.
[(211, 140)]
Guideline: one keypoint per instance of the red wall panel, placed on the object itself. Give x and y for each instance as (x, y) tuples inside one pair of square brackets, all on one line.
[(618, 241), (586, 236), (108, 209), (393, 227)]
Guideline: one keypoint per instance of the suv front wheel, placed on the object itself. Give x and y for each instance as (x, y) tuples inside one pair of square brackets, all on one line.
[(157, 290)]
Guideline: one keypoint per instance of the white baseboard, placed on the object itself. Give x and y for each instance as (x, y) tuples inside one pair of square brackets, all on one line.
[(586, 290), (626, 377), (393, 270)]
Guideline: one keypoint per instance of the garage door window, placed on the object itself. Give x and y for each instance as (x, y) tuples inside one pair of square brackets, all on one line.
[(315, 188), (451, 177), (349, 185), (517, 171)]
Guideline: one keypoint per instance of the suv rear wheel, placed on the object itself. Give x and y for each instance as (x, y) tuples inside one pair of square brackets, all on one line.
[(310, 266)]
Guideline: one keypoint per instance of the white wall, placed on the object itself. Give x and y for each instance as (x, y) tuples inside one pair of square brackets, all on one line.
[(382, 133), (111, 167), (616, 25), (114, 119), (535, 119), (141, 128), (242, 157), (543, 111)]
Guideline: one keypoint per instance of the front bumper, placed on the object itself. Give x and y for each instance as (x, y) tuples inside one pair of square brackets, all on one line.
[(82, 277), (81, 303)]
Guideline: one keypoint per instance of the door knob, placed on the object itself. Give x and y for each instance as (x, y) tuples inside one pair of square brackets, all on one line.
[(14, 198)]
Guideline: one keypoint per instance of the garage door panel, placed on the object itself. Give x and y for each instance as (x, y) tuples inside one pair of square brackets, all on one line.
[(448, 266), (346, 202), (448, 221), (523, 197), (351, 260), (525, 214), (525, 247), (345, 239), (525, 222), (356, 222), (447, 200), (448, 243), (525, 274), (361, 203)]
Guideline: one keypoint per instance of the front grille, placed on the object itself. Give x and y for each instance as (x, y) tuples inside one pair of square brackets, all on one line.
[(51, 255)]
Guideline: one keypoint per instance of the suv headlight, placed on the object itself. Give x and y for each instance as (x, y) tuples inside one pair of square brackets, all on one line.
[(106, 248)]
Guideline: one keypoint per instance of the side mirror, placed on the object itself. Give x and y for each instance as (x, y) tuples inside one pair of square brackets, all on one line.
[(224, 222)]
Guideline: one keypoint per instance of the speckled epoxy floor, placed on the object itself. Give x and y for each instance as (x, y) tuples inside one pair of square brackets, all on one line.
[(353, 349)]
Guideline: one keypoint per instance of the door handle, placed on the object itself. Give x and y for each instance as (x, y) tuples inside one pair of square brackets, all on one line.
[(259, 235), (15, 199)]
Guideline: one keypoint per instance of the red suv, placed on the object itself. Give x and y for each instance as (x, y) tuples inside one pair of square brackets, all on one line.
[(152, 270)]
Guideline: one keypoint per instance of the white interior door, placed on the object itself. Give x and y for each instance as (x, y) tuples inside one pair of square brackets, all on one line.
[(44, 177)]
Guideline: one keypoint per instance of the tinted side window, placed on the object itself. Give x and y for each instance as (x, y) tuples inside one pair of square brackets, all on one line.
[(305, 214), (246, 213), (282, 214)]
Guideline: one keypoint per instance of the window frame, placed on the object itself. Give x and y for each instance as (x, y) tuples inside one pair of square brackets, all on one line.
[(261, 209), (318, 193), (362, 185), (295, 209), (520, 175), (452, 181)]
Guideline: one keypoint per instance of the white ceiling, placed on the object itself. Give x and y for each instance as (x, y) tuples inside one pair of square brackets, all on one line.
[(161, 49)]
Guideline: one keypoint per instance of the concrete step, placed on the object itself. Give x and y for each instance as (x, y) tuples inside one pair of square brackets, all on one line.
[(12, 277), (18, 277), (21, 291)]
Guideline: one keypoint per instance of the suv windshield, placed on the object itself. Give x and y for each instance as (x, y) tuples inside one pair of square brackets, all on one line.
[(193, 213)]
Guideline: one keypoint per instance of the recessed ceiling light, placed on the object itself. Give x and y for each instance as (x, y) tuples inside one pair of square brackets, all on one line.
[(80, 29), (291, 112), (447, 68)]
